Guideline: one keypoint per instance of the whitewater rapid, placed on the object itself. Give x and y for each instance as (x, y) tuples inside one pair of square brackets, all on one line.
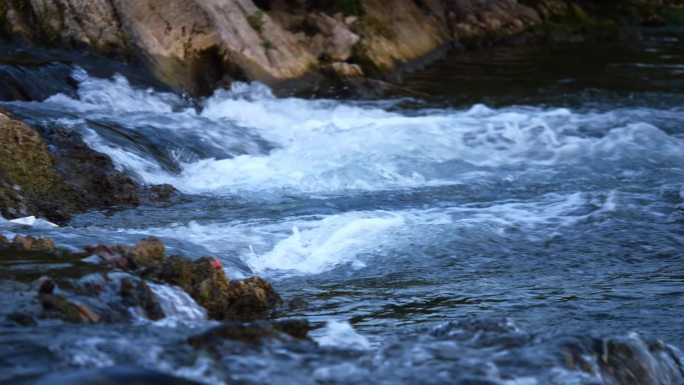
[(245, 144)]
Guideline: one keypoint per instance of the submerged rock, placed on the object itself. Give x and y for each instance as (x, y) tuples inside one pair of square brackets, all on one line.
[(109, 376), (30, 243), (57, 306), (21, 319), (630, 360), (251, 332)]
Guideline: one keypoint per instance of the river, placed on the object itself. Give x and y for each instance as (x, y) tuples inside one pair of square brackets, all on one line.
[(521, 204)]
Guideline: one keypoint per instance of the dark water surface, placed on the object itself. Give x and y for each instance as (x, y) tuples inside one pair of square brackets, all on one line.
[(522, 223)]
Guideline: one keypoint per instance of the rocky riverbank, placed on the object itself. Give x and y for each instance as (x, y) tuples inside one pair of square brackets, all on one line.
[(320, 47), (50, 172), (104, 284)]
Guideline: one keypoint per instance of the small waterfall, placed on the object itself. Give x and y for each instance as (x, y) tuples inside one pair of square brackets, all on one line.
[(178, 306)]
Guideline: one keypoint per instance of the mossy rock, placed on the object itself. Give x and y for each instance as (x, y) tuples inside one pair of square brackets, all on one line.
[(206, 282), (26, 169)]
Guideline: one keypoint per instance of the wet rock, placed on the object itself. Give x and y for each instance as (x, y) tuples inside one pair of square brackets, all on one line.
[(50, 172), (45, 285), (139, 294), (251, 332), (210, 288), (30, 243), (297, 304), (203, 279), (297, 328), (149, 251), (252, 298), (91, 181), (101, 298), (162, 193), (4, 243), (109, 256), (27, 176), (630, 360), (57, 306), (206, 282), (21, 319)]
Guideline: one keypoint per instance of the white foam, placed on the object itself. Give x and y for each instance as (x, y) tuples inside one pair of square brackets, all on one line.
[(341, 334), (325, 146), (315, 244), (32, 221), (114, 95), (178, 306), (327, 243)]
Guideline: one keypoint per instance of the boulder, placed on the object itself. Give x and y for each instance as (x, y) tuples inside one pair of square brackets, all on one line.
[(206, 282), (27, 174), (251, 298), (50, 172), (149, 251)]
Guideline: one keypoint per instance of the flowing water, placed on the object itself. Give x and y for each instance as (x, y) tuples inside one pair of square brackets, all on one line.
[(525, 207)]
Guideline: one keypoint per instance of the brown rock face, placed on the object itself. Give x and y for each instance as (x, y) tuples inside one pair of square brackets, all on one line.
[(488, 20), (30, 243), (394, 33), (251, 298), (190, 45), (193, 45), (207, 283), (146, 252)]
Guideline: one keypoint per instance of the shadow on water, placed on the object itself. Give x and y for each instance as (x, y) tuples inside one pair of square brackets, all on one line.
[(584, 75)]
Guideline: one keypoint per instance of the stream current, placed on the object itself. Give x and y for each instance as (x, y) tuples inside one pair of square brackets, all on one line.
[(525, 201)]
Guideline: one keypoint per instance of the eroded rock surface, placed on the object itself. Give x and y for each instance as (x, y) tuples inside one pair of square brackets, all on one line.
[(105, 296), (196, 45)]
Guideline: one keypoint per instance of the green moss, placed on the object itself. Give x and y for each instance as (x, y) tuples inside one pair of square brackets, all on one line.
[(27, 162), (256, 20), (350, 7), (267, 44)]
